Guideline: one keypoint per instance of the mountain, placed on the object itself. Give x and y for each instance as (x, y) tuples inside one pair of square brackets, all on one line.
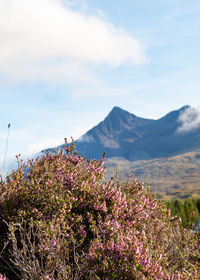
[(117, 130), (122, 134), (161, 138)]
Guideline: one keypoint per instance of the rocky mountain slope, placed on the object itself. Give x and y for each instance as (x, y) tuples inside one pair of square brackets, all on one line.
[(122, 134)]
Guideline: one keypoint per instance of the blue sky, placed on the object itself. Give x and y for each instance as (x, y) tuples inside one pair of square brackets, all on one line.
[(65, 64)]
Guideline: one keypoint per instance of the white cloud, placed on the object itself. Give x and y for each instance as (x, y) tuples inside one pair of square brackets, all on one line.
[(47, 40), (189, 120)]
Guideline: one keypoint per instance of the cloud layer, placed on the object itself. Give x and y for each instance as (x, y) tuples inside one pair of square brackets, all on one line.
[(189, 120), (46, 40)]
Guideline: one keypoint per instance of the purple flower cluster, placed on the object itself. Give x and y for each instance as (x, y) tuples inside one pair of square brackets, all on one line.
[(93, 228)]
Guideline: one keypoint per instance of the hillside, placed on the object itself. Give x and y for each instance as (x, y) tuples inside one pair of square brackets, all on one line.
[(170, 177)]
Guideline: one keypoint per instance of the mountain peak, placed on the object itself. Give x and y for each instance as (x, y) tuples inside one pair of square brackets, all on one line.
[(184, 108), (117, 111), (116, 108)]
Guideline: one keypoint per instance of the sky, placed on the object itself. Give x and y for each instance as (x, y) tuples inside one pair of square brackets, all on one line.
[(64, 64)]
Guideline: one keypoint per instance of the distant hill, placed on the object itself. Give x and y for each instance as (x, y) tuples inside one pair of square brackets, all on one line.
[(169, 177)]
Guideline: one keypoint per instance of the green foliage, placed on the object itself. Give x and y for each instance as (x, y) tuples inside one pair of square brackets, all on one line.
[(189, 211)]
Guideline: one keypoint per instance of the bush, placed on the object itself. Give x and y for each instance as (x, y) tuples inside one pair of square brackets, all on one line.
[(61, 220)]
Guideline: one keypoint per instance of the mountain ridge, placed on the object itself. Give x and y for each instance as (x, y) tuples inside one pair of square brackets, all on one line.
[(123, 134)]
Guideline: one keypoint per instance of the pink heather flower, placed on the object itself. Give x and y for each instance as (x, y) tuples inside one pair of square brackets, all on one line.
[(2, 278), (53, 243), (116, 224), (45, 247), (104, 208), (82, 231), (137, 250)]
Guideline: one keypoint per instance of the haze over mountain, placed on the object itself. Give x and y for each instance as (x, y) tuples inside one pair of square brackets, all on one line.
[(122, 134)]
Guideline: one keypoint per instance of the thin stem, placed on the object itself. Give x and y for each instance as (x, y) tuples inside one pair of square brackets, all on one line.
[(6, 150)]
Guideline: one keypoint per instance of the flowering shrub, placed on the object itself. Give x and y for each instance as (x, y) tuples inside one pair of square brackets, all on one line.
[(61, 220)]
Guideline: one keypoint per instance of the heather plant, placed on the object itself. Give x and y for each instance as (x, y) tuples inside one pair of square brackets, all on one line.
[(61, 220)]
